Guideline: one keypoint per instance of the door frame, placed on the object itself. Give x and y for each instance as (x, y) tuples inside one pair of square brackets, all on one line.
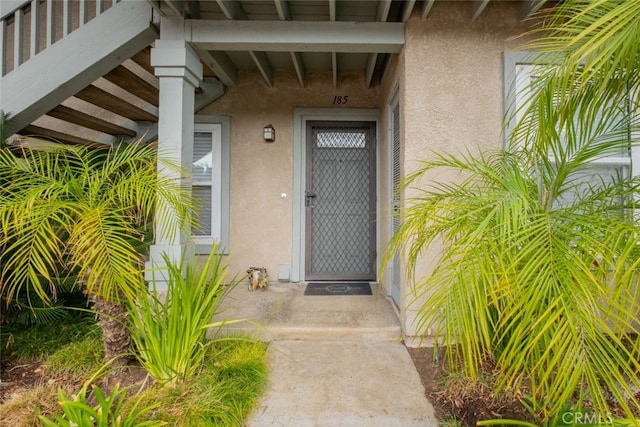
[(372, 205), (300, 118)]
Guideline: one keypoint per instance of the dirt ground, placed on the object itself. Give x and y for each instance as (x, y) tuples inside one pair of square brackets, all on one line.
[(16, 378), (463, 402), (469, 403)]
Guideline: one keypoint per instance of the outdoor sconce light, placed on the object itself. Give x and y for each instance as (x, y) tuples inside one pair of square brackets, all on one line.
[(269, 133)]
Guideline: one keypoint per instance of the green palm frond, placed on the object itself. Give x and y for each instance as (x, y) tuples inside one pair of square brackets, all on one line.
[(534, 284), (82, 210)]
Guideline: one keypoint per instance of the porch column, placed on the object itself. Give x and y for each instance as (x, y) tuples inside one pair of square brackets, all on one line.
[(179, 71)]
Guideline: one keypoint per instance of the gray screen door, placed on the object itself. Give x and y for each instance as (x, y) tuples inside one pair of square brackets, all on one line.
[(340, 201)]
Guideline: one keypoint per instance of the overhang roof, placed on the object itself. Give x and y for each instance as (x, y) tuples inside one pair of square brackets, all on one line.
[(302, 35)]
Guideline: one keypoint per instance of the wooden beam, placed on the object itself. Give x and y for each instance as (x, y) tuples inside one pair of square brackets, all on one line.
[(232, 9), (131, 82), (109, 102), (89, 121), (263, 64), (408, 8), (284, 11), (298, 65), (221, 65), (426, 8), (477, 6), (297, 36), (332, 10), (58, 136), (143, 59)]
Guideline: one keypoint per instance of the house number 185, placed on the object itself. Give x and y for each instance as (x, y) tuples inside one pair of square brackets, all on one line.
[(340, 99)]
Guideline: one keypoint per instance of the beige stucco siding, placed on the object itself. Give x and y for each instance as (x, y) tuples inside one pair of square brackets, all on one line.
[(261, 221), (451, 90)]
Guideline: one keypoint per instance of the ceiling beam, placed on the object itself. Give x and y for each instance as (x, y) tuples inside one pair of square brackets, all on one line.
[(408, 8), (426, 8), (89, 121), (131, 82), (176, 6), (263, 64), (232, 9), (334, 69), (109, 102), (143, 59), (221, 66), (284, 12), (285, 36), (298, 65), (332, 10), (211, 89), (384, 6), (57, 136), (477, 6), (371, 66)]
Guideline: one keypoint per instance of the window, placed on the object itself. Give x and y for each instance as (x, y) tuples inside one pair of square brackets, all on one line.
[(519, 74), (210, 183)]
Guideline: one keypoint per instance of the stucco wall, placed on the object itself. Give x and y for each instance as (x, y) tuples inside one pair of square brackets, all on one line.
[(261, 221), (451, 90)]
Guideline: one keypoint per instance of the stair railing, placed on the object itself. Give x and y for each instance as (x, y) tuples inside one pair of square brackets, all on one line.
[(29, 27)]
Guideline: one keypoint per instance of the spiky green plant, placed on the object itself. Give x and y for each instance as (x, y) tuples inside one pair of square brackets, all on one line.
[(169, 329), (539, 266), (83, 211)]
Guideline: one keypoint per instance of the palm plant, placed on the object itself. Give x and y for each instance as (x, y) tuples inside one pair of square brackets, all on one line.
[(83, 212), (539, 266)]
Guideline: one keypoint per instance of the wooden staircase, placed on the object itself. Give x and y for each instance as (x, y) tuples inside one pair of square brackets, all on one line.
[(79, 72)]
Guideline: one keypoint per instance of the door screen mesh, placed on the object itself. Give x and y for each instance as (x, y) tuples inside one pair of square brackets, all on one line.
[(341, 211)]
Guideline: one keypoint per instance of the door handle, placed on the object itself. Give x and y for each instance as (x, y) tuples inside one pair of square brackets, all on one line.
[(308, 198)]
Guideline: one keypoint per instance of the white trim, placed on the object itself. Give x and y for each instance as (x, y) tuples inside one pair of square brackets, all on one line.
[(300, 117), (212, 181), (203, 246)]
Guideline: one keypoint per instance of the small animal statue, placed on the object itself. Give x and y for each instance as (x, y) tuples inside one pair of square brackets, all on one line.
[(258, 278)]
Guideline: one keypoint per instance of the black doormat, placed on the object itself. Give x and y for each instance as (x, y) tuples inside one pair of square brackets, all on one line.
[(338, 288)]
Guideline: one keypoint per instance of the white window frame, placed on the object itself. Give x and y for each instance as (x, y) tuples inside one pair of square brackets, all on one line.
[(518, 68), (219, 127)]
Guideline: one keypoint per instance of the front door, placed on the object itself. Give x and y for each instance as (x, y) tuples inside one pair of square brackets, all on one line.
[(340, 201)]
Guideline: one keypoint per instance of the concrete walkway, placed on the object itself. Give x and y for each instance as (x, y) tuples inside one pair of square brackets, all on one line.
[(334, 360)]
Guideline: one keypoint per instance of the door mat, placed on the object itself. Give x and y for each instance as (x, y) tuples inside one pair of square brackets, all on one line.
[(338, 288)]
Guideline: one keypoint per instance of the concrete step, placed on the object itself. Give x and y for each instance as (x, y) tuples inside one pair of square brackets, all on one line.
[(284, 313)]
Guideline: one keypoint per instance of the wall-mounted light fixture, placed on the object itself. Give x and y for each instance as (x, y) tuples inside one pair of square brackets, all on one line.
[(269, 133)]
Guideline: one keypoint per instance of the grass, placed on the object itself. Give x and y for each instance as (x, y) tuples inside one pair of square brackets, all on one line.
[(43, 339), (24, 409), (78, 358), (223, 393)]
